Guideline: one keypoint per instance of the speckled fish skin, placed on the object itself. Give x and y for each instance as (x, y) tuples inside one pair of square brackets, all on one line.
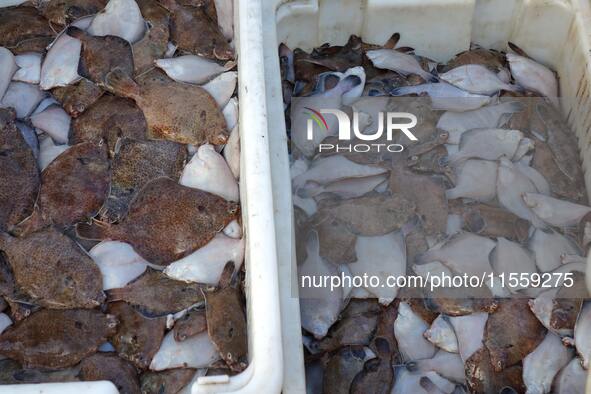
[(342, 367), (62, 12), (193, 323), (154, 43), (100, 55), (481, 378), (175, 221), (53, 270), (226, 326), (73, 188), (494, 222), (109, 118), (20, 176), (508, 339), (154, 294), (137, 338), (170, 381), (193, 31), (135, 164), (19, 24), (103, 366), (75, 99), (370, 216), (174, 111), (13, 373), (567, 304), (459, 302), (337, 242), (56, 338)]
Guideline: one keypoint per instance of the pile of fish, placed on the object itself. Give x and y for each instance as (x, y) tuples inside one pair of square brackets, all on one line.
[(121, 243), (493, 184)]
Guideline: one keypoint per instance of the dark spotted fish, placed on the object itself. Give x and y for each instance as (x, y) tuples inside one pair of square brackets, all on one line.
[(482, 378), (192, 30), (74, 187), (20, 175), (99, 55), (170, 381), (342, 367), (22, 29), (167, 221), (138, 337), (103, 366), (135, 164), (193, 323), (56, 338), (11, 372), (154, 43), (109, 118), (52, 270), (77, 98), (174, 111), (63, 12), (154, 294)]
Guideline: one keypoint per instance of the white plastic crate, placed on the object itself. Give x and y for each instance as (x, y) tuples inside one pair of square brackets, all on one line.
[(264, 373), (554, 32)]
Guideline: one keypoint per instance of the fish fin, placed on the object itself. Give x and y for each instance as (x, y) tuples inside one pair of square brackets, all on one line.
[(118, 294), (118, 82), (517, 50), (392, 41), (95, 231), (29, 225), (76, 32), (169, 5), (405, 49)]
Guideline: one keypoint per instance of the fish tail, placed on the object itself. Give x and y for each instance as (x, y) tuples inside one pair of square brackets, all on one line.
[(118, 82), (95, 231), (76, 32)]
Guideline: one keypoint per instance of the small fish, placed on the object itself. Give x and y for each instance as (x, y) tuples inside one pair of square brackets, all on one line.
[(556, 212), (445, 97), (463, 253), (23, 97), (475, 179), (205, 265), (29, 68), (342, 367), (226, 325), (487, 144), (319, 307), (48, 151), (548, 246), (398, 61), (191, 324), (194, 352), (77, 98), (409, 329), (482, 378), (542, 306), (381, 256), (174, 111), (57, 338), (14, 373), (193, 31), (134, 165), (510, 257), (192, 68), (118, 262), (469, 330), (493, 60), (571, 379), (60, 65), (73, 188), (154, 294), (101, 54), (541, 366), (508, 339), (154, 44), (20, 175), (582, 337), (423, 383), (337, 242), (137, 338), (533, 76), (448, 365), (21, 24), (208, 171), (63, 12), (222, 87), (103, 366), (53, 270), (169, 381), (55, 122), (109, 118), (442, 335), (477, 79), (8, 66), (377, 377), (512, 184), (121, 18)]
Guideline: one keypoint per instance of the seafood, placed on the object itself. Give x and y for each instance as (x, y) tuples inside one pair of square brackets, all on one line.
[(121, 18), (102, 366)]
